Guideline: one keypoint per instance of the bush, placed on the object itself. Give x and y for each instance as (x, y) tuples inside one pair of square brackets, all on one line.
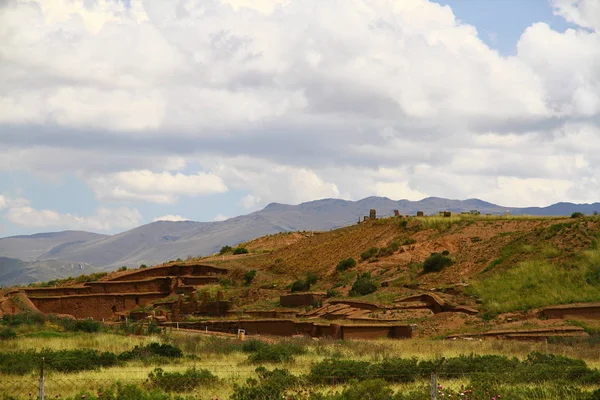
[(123, 268), (363, 285), (181, 381), (311, 279), (151, 350), (273, 353), (334, 371), (345, 264), (300, 286), (26, 318), (409, 241), (143, 266), (249, 276), (577, 214), (436, 262), (332, 293), (225, 249), (271, 385), (377, 389), (7, 333), (365, 255), (240, 250), (77, 325)]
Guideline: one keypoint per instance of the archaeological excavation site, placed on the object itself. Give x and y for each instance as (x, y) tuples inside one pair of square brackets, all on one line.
[(452, 276)]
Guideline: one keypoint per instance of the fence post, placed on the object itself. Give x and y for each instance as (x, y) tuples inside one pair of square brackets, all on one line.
[(41, 397), (434, 386)]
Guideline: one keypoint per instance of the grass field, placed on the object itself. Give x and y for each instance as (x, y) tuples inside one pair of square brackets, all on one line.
[(223, 357)]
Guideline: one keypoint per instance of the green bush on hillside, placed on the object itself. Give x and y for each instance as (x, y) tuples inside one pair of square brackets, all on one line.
[(345, 264), (240, 250), (577, 214), (249, 277), (365, 255), (300, 286), (436, 262), (225, 249), (363, 285)]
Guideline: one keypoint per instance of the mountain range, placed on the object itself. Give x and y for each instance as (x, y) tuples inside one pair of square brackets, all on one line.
[(46, 256)]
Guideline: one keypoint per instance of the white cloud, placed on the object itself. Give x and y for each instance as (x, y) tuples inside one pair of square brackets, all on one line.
[(220, 217), (19, 212), (161, 187), (3, 201), (295, 100), (584, 13), (170, 217), (273, 183)]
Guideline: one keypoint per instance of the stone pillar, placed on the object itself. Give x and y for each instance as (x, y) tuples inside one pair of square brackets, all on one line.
[(372, 214), (396, 213), (420, 214)]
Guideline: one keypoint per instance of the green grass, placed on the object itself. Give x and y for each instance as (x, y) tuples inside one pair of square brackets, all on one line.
[(537, 283)]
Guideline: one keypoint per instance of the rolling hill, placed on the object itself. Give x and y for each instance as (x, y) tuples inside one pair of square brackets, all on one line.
[(160, 241)]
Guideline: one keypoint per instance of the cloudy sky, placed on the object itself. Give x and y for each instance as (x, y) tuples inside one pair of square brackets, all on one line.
[(115, 113)]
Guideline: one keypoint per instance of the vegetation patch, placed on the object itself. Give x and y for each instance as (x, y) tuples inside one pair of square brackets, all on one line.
[(345, 264), (240, 250), (181, 381), (365, 255), (363, 285), (436, 262)]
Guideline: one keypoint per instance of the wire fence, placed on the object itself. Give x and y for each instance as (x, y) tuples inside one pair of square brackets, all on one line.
[(53, 385)]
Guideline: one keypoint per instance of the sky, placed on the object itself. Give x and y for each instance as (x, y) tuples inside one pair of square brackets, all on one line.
[(117, 113)]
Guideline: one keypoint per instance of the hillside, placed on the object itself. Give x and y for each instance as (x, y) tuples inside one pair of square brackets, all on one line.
[(447, 275), (159, 241), (499, 264)]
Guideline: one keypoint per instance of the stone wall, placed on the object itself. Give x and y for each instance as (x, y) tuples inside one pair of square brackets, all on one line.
[(95, 306), (172, 270), (283, 327)]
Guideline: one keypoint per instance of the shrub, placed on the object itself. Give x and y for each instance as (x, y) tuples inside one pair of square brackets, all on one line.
[(123, 268), (409, 241), (181, 381), (577, 214), (445, 253), (365, 255), (299, 286), (311, 279), (249, 276), (334, 371), (26, 318), (376, 389), (436, 262), (7, 333), (240, 250), (143, 266), (271, 385), (345, 264), (332, 293), (363, 285), (77, 325), (151, 350), (225, 249)]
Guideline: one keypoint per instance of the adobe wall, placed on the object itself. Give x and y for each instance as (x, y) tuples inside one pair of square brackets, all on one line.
[(591, 312), (57, 291), (300, 299), (161, 284), (199, 280), (282, 327), (171, 270), (95, 306), (363, 305)]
